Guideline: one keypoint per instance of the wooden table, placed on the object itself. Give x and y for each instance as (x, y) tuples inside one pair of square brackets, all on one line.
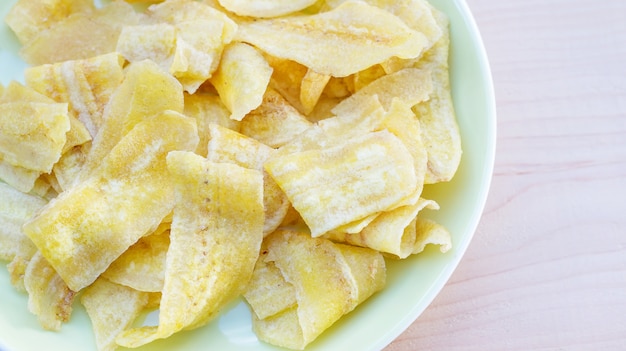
[(547, 267)]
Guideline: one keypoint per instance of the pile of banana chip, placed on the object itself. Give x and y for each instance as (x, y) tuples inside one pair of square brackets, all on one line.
[(176, 155)]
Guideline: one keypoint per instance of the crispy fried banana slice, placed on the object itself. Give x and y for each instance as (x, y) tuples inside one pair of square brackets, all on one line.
[(91, 224)]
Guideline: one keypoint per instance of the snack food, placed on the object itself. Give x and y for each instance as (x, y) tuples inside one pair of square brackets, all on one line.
[(344, 160)]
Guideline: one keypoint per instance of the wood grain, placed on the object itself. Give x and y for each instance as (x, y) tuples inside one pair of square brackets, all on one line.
[(547, 267)]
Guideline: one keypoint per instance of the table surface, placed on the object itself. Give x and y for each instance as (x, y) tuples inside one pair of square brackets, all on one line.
[(546, 269)]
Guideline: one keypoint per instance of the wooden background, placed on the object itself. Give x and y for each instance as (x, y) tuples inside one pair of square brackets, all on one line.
[(547, 267)]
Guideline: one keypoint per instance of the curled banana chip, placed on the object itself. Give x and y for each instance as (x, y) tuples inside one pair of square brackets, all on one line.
[(307, 304), (48, 296), (88, 226), (361, 34), (216, 234)]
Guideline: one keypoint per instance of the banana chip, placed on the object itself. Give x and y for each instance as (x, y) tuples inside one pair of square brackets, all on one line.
[(15, 209), (81, 34), (231, 147), (417, 14), (32, 134), (411, 86), (88, 226), (154, 41), (268, 293), (368, 117), (17, 270), (311, 89), (361, 35), (215, 239), (265, 8), (286, 79), (112, 308), (142, 266), (402, 122), (365, 77), (241, 79), (275, 122), (87, 85), (389, 232), (207, 109), (20, 178), (430, 232), (48, 296), (146, 91), (344, 183), (70, 165), (344, 277), (440, 131), (77, 135), (187, 41), (28, 18)]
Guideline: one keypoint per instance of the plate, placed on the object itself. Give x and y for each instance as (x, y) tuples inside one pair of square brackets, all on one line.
[(412, 283)]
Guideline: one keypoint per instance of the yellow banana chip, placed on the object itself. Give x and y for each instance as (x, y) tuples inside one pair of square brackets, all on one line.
[(417, 14), (187, 40), (361, 35), (49, 298), (411, 86), (154, 41), (440, 131), (15, 209), (207, 109), (17, 270), (86, 85), (349, 124), (268, 292), (265, 8), (142, 266), (231, 147), (69, 166), (430, 232), (228, 146), (365, 77), (241, 79), (27, 18), (20, 178), (181, 11), (32, 135), (344, 277), (286, 79), (16, 92), (388, 232), (403, 123), (112, 308), (275, 122), (88, 226), (311, 89), (367, 271), (215, 239), (146, 91), (195, 60), (347, 182), (82, 35)]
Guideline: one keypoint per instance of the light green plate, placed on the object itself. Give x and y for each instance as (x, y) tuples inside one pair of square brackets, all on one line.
[(412, 283)]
